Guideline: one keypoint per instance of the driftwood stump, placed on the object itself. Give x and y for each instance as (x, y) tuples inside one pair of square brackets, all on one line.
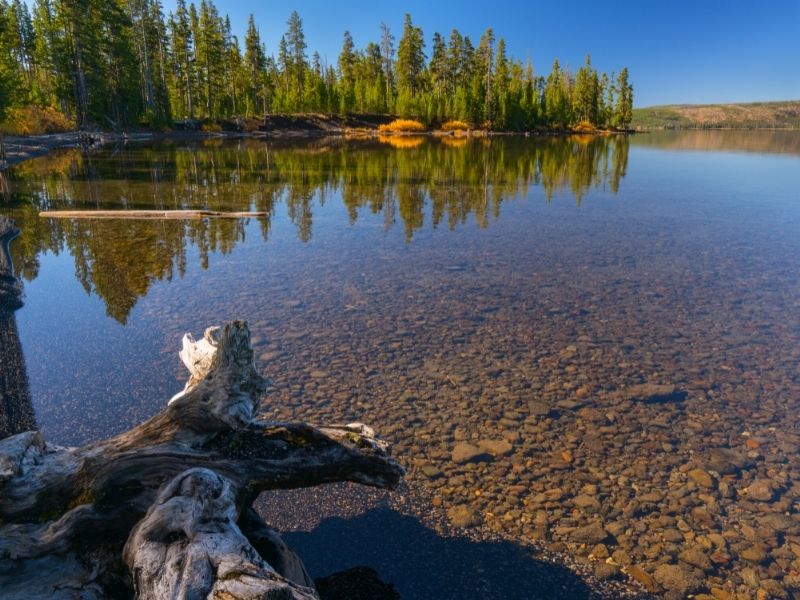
[(164, 510)]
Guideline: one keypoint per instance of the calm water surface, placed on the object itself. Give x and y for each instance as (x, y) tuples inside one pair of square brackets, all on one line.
[(452, 291)]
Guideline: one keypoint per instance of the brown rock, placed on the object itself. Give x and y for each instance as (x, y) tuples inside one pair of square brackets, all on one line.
[(466, 453), (606, 572), (643, 578), (588, 534), (678, 579), (496, 447), (701, 478), (762, 490), (463, 516), (757, 553), (696, 557)]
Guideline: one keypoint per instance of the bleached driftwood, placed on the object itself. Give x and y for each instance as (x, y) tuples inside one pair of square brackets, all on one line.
[(176, 492), (149, 214)]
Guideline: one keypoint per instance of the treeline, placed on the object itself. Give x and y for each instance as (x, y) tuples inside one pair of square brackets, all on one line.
[(118, 63)]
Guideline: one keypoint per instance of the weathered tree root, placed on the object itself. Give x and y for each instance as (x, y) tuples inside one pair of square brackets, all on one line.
[(176, 492)]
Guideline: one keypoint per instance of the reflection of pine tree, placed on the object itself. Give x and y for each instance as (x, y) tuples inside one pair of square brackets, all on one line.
[(120, 260)]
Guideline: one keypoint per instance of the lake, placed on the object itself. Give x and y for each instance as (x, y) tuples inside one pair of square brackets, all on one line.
[(588, 342)]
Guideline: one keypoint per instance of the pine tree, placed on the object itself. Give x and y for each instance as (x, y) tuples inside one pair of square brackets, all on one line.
[(584, 94), (150, 42), (8, 66), (455, 59), (297, 63), (387, 61), (256, 65), (210, 58), (410, 66), (439, 66), (347, 65), (22, 42), (182, 60), (484, 60), (556, 97), (623, 111), (501, 81)]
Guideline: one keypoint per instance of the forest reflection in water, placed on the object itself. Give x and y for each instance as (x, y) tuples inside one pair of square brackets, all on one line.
[(451, 180)]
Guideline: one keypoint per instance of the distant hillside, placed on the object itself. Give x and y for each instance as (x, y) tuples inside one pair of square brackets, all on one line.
[(753, 115)]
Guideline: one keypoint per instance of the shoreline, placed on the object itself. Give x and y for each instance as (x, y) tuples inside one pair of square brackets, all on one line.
[(18, 149)]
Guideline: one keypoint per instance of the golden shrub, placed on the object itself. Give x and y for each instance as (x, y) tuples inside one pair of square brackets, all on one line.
[(35, 120), (455, 126), (402, 126), (584, 127)]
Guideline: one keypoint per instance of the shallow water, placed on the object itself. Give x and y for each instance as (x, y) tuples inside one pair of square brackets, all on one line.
[(452, 291)]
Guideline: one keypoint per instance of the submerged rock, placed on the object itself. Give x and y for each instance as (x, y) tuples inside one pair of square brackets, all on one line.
[(463, 516), (589, 534), (762, 490), (677, 580), (466, 453), (651, 393)]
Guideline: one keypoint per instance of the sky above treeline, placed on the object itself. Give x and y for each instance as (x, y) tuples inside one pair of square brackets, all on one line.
[(700, 51)]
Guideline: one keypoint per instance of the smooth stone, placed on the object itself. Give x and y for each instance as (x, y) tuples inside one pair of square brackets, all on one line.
[(651, 392), (673, 536), (606, 572), (696, 557), (726, 461), (496, 447), (586, 501), (757, 553), (430, 471), (538, 408), (701, 478), (777, 521), (465, 453), (638, 574), (678, 579), (762, 490), (463, 516), (588, 534)]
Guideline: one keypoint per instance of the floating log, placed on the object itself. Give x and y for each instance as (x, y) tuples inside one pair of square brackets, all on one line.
[(165, 510), (148, 214)]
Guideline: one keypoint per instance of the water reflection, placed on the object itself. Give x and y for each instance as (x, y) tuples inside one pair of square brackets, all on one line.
[(452, 180), (16, 410), (723, 140)]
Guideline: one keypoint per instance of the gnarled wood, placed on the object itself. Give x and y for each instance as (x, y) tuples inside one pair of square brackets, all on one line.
[(189, 546), (204, 454)]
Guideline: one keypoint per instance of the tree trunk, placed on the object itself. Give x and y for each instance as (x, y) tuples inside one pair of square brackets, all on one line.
[(16, 410), (172, 496)]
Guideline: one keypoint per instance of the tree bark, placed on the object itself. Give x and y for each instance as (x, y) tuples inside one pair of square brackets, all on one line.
[(175, 492)]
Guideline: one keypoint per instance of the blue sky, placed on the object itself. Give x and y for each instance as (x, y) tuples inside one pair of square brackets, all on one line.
[(677, 52)]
